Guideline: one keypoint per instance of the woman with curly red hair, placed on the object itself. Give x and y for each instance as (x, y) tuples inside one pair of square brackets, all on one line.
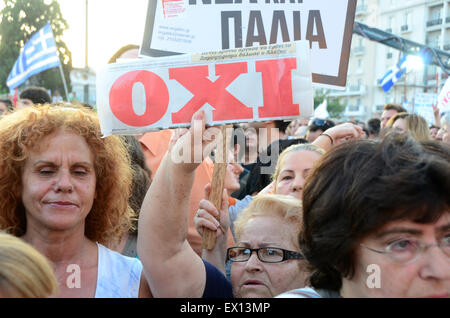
[(64, 189)]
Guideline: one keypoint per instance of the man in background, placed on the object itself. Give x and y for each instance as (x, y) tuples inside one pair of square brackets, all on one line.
[(6, 106), (316, 127), (389, 111), (373, 126)]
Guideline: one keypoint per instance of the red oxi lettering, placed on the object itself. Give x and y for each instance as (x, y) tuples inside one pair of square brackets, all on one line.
[(156, 98), (277, 88), (276, 84), (226, 106)]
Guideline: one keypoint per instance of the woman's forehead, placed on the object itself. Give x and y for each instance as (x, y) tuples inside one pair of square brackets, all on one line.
[(268, 229), (442, 224), (299, 158), (62, 143)]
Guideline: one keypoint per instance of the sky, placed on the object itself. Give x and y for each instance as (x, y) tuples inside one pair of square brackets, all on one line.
[(112, 24)]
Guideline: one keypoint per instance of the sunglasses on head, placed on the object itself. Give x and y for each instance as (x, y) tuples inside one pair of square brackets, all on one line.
[(319, 122)]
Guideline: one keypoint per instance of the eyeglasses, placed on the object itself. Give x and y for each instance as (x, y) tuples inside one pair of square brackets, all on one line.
[(265, 254), (408, 251)]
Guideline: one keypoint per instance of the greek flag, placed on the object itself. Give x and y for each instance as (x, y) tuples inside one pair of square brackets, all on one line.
[(394, 74), (39, 54)]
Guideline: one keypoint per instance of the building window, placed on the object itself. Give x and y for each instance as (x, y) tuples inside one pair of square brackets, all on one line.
[(353, 108)]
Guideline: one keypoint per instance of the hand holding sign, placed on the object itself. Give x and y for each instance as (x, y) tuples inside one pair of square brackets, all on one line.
[(197, 141)]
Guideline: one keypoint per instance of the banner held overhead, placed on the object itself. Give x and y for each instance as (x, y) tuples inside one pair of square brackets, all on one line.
[(188, 26), (237, 85)]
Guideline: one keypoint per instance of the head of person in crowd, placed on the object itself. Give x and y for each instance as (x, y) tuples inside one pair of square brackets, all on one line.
[(413, 124), (140, 184), (377, 220), (443, 133), (248, 148), (261, 175), (282, 126), (267, 260), (231, 182), (297, 128), (235, 154), (141, 175), (439, 149), (129, 51), (6, 106), (251, 139), (293, 167), (373, 127), (33, 96), (389, 111), (316, 127), (24, 272), (268, 132), (59, 174), (434, 131)]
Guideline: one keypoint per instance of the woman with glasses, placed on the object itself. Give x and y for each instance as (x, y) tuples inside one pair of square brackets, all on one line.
[(175, 270), (292, 168), (376, 221), (266, 260), (291, 171)]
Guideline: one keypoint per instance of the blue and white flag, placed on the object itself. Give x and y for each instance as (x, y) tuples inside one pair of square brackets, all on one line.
[(39, 54), (394, 74)]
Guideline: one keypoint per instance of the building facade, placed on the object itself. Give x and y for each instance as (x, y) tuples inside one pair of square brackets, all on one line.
[(83, 85), (422, 21)]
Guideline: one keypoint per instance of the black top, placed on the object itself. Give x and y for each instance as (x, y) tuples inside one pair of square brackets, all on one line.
[(216, 285), (257, 180)]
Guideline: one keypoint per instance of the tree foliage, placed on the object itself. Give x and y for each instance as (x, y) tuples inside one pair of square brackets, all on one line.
[(19, 20), (334, 106)]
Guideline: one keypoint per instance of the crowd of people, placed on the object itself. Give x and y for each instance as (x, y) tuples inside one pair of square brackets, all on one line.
[(316, 208)]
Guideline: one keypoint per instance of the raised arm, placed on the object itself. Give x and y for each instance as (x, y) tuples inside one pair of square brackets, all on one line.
[(171, 267), (338, 134)]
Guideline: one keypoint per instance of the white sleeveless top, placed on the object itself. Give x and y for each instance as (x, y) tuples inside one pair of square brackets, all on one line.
[(118, 276)]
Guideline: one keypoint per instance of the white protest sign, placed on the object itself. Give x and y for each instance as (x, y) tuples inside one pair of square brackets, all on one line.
[(444, 98), (423, 106), (237, 85), (188, 26)]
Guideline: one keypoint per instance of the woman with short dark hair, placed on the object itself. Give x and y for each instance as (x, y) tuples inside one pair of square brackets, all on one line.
[(377, 221)]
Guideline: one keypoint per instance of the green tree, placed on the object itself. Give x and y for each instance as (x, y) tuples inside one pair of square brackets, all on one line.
[(19, 20), (334, 106)]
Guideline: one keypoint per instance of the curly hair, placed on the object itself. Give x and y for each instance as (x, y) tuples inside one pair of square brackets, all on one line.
[(22, 131)]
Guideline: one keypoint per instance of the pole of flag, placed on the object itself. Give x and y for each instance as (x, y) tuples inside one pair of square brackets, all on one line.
[(15, 97), (64, 81)]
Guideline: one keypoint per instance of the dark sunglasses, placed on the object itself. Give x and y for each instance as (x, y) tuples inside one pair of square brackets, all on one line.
[(319, 122)]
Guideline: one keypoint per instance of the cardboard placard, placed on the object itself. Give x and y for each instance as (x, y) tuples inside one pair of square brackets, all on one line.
[(237, 85), (187, 26), (444, 98), (423, 106)]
